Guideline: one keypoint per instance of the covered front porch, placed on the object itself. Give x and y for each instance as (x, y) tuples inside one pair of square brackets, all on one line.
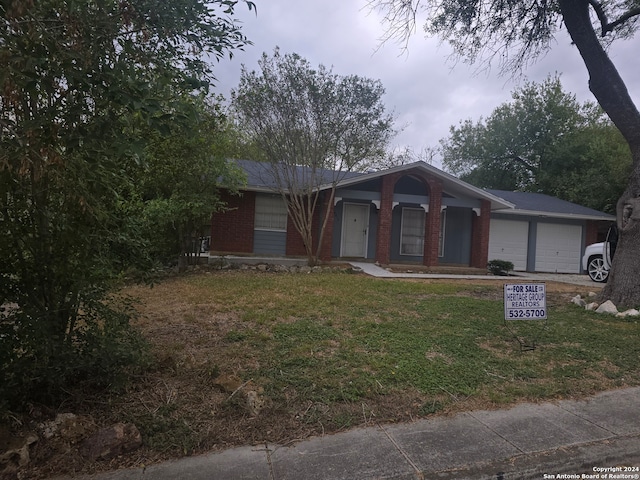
[(409, 217)]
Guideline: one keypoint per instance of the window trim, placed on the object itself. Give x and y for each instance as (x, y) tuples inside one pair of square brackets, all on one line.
[(402, 222)]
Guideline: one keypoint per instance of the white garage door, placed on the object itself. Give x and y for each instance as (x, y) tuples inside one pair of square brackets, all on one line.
[(558, 248), (508, 240)]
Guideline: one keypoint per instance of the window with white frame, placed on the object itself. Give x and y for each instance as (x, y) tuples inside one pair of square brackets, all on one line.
[(271, 213), (412, 232)]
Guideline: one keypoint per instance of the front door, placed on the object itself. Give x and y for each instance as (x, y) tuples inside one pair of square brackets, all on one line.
[(355, 229)]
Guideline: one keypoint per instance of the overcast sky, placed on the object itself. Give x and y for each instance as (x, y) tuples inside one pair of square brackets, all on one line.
[(426, 92)]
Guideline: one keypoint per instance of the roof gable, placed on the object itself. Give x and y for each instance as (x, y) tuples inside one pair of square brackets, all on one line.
[(260, 178)]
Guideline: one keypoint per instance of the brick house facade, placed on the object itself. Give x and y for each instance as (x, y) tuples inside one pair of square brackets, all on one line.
[(412, 214), (388, 204)]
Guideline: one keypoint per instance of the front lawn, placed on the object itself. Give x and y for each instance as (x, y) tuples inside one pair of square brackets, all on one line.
[(324, 352)]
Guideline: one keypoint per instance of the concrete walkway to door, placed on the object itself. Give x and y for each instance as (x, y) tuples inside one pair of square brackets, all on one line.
[(575, 279)]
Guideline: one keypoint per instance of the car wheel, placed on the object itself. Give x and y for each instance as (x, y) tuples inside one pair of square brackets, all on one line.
[(596, 270)]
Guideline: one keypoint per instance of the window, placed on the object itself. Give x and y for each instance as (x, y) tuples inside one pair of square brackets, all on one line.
[(271, 213), (443, 224), (412, 232)]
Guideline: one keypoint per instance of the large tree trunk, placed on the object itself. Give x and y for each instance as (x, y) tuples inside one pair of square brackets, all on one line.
[(611, 92)]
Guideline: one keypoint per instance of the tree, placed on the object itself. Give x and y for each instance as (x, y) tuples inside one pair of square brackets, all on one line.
[(177, 186), (542, 141), (590, 167), (403, 156), (80, 82), (514, 34), (313, 127)]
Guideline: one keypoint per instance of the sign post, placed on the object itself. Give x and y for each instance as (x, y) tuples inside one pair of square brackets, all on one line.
[(526, 301)]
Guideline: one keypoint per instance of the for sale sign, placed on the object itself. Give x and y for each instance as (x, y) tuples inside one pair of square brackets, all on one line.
[(525, 301)]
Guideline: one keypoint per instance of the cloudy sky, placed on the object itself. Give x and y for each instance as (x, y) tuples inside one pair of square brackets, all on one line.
[(426, 92)]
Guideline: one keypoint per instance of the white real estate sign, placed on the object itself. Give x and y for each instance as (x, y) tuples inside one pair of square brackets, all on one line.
[(525, 301)]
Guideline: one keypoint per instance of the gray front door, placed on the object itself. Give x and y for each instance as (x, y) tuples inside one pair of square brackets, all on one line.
[(355, 230)]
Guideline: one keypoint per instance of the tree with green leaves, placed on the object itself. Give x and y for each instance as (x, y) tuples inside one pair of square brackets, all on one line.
[(313, 127), (542, 141), (516, 33), (178, 185), (80, 84), (592, 168)]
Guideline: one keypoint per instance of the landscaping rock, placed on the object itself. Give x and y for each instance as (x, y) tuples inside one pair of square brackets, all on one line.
[(112, 441), (607, 307), (16, 451), (67, 427), (578, 301), (255, 403)]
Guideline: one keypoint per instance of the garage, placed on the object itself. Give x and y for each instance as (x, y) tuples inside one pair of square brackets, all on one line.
[(558, 248), (508, 240)]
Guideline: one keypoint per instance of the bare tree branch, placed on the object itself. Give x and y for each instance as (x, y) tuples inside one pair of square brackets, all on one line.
[(607, 26)]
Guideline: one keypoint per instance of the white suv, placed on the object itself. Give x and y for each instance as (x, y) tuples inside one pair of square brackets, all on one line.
[(597, 257)]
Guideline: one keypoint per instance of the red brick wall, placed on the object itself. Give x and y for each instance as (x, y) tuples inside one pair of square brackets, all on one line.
[(383, 240), (327, 239), (295, 245), (480, 229), (232, 229), (591, 235)]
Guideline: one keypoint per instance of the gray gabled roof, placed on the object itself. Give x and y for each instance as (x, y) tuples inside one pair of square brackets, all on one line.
[(260, 178), (539, 204)]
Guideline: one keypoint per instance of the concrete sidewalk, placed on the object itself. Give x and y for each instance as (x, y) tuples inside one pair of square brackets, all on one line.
[(575, 279), (376, 271), (528, 441)]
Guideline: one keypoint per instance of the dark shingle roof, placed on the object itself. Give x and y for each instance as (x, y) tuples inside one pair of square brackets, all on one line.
[(545, 204), (260, 176)]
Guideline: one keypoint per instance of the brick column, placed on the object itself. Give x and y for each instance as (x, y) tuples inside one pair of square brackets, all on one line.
[(480, 228), (432, 225), (383, 240)]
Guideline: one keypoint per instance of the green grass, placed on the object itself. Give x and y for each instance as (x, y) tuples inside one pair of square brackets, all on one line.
[(337, 337)]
